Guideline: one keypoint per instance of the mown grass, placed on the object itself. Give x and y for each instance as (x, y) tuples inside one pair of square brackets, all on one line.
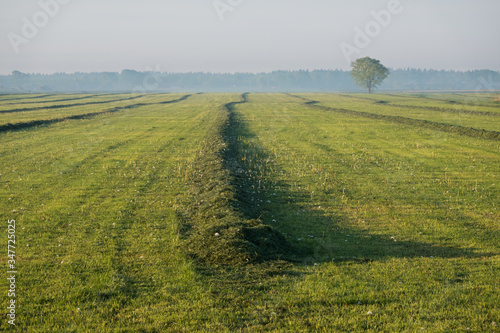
[(361, 162), (57, 101), (215, 227), (393, 227), (458, 102), (24, 97), (416, 108), (94, 204), (43, 113)]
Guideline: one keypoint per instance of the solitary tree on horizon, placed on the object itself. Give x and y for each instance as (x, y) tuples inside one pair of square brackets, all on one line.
[(368, 73)]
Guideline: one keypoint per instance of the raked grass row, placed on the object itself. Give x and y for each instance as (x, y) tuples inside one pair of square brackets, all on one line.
[(42, 113), (388, 226)]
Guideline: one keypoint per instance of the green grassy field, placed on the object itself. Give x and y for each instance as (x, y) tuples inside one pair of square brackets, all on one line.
[(253, 212), (419, 109), (20, 115)]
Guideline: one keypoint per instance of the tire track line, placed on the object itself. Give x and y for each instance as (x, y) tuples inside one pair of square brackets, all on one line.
[(33, 123), (61, 106), (456, 129)]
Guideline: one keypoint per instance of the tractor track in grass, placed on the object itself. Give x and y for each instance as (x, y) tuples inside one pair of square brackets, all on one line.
[(461, 130), (59, 100), (215, 229), (446, 110), (43, 122), (62, 106), (34, 123), (452, 101), (183, 98), (32, 97), (429, 108)]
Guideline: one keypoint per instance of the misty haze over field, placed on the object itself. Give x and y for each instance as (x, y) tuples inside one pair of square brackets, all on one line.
[(247, 36)]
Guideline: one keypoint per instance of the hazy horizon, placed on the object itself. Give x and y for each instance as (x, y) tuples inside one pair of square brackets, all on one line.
[(246, 36), (250, 73)]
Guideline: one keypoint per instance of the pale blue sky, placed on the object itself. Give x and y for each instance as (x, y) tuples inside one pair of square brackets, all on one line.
[(254, 35)]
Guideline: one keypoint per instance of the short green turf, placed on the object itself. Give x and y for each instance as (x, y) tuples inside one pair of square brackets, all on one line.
[(390, 227)]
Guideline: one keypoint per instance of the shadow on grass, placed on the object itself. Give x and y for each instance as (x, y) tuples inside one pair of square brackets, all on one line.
[(322, 238), (255, 294), (314, 236)]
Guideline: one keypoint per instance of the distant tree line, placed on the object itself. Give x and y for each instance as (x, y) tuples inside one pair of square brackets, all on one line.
[(277, 81)]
